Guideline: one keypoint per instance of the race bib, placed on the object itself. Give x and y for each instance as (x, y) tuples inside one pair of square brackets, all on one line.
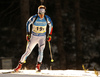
[(39, 29)]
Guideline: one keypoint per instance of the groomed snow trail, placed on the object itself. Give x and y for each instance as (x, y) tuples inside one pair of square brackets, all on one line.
[(50, 73)]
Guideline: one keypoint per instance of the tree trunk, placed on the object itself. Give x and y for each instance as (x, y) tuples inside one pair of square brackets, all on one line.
[(59, 25), (78, 36), (24, 8)]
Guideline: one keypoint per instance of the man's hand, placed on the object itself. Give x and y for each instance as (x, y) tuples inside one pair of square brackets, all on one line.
[(27, 36), (49, 38)]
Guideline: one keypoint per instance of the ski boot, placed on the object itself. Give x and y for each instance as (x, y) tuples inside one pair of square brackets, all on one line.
[(19, 66), (38, 67)]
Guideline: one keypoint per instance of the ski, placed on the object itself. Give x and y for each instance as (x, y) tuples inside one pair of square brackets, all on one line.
[(41, 73), (38, 72), (95, 71), (10, 72), (84, 68)]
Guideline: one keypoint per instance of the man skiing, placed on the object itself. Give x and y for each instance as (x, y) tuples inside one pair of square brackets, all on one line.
[(38, 36)]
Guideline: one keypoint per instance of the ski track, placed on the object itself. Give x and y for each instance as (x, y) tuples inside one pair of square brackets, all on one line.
[(50, 73)]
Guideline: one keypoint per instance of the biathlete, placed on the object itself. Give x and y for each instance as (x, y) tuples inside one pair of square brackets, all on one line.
[(38, 36)]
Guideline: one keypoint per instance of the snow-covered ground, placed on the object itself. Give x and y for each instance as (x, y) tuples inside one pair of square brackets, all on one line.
[(50, 73)]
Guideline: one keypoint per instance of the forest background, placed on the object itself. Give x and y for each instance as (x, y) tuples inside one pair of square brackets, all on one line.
[(75, 39)]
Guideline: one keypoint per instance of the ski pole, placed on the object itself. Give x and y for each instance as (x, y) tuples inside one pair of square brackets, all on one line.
[(27, 44), (50, 52)]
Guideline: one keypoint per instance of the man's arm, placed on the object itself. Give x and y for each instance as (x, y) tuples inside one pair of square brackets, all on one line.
[(50, 23), (29, 22)]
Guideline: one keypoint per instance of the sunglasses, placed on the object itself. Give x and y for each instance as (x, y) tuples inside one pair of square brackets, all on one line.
[(41, 11)]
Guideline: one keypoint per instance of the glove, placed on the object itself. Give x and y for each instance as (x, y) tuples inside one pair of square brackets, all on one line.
[(28, 37), (49, 38)]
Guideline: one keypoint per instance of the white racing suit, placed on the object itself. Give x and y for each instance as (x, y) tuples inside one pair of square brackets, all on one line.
[(38, 36)]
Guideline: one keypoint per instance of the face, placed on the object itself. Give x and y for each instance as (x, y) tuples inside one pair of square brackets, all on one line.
[(41, 15), (41, 12)]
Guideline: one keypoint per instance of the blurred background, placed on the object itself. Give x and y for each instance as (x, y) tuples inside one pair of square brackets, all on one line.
[(75, 39)]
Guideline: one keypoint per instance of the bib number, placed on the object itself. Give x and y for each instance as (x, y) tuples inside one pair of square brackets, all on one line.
[(39, 29)]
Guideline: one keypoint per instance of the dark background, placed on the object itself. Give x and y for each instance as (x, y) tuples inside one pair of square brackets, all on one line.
[(75, 39)]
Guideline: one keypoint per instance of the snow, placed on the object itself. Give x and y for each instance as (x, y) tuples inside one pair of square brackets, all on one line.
[(50, 73)]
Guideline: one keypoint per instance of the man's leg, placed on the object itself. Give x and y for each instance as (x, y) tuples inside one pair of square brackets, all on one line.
[(31, 45), (41, 46)]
